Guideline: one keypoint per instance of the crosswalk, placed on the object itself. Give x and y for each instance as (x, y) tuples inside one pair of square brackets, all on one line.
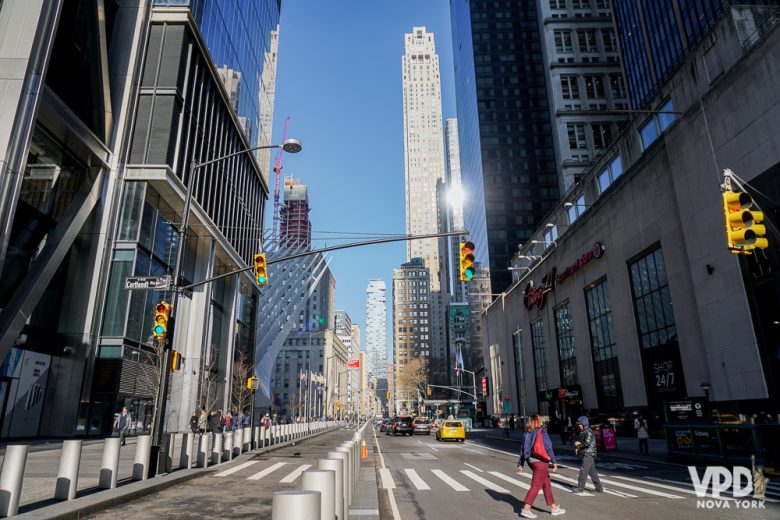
[(472, 477)]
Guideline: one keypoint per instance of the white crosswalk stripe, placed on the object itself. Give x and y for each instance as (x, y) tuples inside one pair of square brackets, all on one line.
[(454, 484), (556, 485), (511, 480), (267, 471), (416, 480), (488, 484), (387, 479), (236, 469), (636, 488), (295, 474), (589, 487), (473, 467)]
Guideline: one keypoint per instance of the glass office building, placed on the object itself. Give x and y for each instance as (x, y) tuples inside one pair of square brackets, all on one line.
[(507, 154)]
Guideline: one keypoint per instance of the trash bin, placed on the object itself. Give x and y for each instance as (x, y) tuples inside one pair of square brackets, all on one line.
[(609, 440)]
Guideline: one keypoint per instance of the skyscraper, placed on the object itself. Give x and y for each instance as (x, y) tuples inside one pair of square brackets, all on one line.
[(376, 331), (506, 143), (295, 224), (452, 207)]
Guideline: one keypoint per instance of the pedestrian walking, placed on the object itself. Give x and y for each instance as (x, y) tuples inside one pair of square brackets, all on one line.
[(246, 422), (122, 424), (202, 421), (194, 422), (538, 453), (642, 433), (228, 421), (585, 447)]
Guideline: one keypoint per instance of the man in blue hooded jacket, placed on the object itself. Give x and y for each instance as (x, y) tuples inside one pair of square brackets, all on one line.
[(586, 448)]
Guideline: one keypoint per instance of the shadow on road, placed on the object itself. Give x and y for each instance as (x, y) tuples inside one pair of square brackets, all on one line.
[(509, 499)]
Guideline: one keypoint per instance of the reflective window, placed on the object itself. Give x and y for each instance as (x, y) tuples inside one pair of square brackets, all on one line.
[(602, 343), (652, 300), (576, 208), (651, 130), (566, 353), (608, 175), (540, 355)]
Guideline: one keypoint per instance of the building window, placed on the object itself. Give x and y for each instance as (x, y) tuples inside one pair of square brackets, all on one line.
[(652, 300), (587, 40), (602, 135), (617, 86), (517, 346), (657, 125), (608, 175), (577, 139), (602, 343), (566, 354), (569, 87), (563, 42), (550, 236), (594, 87), (540, 356), (576, 208), (610, 42)]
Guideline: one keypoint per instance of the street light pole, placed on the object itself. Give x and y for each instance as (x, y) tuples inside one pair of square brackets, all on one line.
[(290, 146)]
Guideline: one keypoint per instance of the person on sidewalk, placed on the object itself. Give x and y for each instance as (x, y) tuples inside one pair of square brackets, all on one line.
[(537, 451), (642, 433), (122, 424), (202, 421), (585, 447), (194, 422)]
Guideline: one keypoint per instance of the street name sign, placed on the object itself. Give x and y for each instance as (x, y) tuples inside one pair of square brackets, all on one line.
[(148, 283)]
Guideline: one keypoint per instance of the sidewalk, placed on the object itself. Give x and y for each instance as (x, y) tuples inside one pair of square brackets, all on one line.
[(365, 500), (628, 447)]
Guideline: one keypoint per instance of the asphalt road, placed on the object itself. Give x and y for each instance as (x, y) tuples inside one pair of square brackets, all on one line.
[(429, 480)]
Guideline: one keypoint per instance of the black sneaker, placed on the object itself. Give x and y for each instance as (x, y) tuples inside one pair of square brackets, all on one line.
[(600, 490)]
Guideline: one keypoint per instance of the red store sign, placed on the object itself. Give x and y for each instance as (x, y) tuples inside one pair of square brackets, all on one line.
[(534, 296)]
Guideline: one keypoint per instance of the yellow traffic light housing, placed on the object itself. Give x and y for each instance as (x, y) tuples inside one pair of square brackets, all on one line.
[(253, 383), (744, 229), (467, 269), (388, 396), (175, 361), (261, 270), (161, 314)]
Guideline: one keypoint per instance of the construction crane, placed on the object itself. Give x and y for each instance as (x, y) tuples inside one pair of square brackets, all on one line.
[(278, 171)]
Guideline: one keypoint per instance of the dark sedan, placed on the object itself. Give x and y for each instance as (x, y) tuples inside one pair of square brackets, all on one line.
[(402, 425)]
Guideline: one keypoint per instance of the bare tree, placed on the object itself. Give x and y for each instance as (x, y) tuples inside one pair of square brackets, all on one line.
[(210, 387), (150, 359), (413, 379), (241, 396), (293, 405)]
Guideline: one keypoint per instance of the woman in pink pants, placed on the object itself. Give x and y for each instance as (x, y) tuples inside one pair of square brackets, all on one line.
[(538, 452)]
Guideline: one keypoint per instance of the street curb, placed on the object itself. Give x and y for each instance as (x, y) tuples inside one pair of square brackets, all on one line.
[(105, 499), (602, 455)]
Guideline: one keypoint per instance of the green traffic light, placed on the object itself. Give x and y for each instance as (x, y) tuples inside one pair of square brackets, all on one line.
[(159, 330), (469, 274), (261, 279)]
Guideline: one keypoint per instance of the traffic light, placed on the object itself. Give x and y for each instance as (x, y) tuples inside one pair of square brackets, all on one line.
[(388, 396), (175, 361), (429, 391), (161, 313), (744, 228), (261, 270), (466, 261)]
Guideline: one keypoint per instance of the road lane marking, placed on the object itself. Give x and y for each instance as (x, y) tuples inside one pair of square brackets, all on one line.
[(454, 484), (387, 479), (488, 484), (236, 469), (416, 480), (493, 449), (295, 474), (473, 451), (473, 467), (390, 494), (636, 488), (431, 447), (267, 471)]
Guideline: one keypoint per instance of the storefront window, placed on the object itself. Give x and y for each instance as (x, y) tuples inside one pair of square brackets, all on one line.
[(566, 353), (602, 342), (540, 356)]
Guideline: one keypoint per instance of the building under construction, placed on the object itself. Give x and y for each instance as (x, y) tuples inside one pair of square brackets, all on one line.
[(295, 224)]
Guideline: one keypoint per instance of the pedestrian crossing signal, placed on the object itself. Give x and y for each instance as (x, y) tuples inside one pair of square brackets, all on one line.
[(161, 314), (744, 227), (261, 270), (467, 270), (175, 361)]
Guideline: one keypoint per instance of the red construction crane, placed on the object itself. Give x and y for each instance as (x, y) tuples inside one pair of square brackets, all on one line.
[(278, 171)]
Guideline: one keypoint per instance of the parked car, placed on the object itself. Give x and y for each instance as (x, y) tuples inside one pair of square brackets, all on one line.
[(400, 424), (422, 425), (451, 430)]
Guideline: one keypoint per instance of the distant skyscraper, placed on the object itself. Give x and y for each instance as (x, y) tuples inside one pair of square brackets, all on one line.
[(451, 205), (506, 142), (376, 329), (295, 223), (412, 321)]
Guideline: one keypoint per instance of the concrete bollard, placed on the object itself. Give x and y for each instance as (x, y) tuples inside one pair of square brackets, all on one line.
[(216, 450), (187, 448), (355, 460), (344, 478), (247, 444), (301, 505), (257, 437), (110, 463), (11, 478), (337, 467), (261, 437), (227, 446), (143, 448), (350, 477), (203, 450), (68, 474), (165, 459), (324, 481), (238, 437)]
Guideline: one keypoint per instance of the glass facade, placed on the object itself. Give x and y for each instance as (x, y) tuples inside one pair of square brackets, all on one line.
[(656, 329), (602, 343), (504, 122), (567, 356)]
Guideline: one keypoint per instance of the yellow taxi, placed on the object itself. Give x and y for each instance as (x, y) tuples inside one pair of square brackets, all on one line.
[(451, 430)]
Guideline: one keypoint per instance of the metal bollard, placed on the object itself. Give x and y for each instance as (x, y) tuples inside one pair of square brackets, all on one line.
[(203, 450), (143, 448), (110, 463), (68, 474), (187, 447), (11, 478), (247, 444), (227, 446), (337, 467), (350, 476), (344, 478), (324, 481), (301, 505), (238, 437), (216, 450)]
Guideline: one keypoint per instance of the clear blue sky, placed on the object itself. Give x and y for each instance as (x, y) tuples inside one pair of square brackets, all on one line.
[(339, 80)]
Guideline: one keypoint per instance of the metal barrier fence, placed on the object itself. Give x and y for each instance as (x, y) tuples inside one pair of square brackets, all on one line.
[(726, 443)]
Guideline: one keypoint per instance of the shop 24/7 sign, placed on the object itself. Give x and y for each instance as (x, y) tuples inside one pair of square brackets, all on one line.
[(534, 296)]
